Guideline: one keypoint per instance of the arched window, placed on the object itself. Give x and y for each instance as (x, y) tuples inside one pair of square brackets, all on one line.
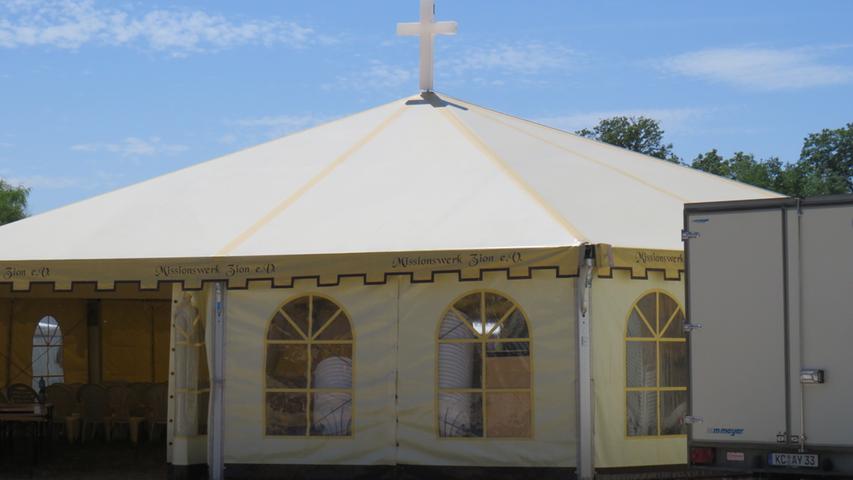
[(484, 387), (309, 356), (47, 353), (656, 361)]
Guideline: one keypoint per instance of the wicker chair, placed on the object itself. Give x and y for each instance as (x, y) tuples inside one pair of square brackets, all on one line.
[(64, 403), (21, 393), (126, 409), (138, 390), (94, 404), (156, 402)]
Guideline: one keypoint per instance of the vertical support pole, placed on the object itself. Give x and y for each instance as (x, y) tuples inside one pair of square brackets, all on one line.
[(93, 340), (10, 332), (216, 439), (585, 420), (152, 350), (177, 292)]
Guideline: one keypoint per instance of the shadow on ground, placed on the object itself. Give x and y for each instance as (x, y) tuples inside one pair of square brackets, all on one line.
[(93, 460)]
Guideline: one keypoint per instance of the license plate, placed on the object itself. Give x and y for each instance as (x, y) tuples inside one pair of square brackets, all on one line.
[(806, 460)]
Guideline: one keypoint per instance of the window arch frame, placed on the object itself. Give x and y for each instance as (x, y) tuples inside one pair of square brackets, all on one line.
[(657, 338), (50, 347), (483, 340), (309, 390)]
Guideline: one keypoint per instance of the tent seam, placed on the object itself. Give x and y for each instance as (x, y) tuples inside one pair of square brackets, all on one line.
[(208, 161), (744, 186), (508, 171), (311, 183), (584, 157)]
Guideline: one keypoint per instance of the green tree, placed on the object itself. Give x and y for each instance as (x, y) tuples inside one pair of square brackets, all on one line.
[(639, 134), (712, 162), (825, 166), (826, 162), (13, 202), (770, 174)]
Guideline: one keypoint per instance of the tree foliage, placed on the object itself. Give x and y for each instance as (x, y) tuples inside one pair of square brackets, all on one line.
[(770, 174), (826, 162), (825, 165), (13, 202), (639, 134)]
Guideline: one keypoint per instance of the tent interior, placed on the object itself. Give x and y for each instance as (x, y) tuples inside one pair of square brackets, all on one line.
[(100, 359)]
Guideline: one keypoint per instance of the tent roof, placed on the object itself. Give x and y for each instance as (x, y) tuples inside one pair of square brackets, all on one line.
[(421, 173)]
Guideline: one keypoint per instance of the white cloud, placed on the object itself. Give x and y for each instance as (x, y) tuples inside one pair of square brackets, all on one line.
[(255, 129), (378, 75), (71, 24), (672, 119), (46, 182), (517, 58), (763, 68), (132, 147), (96, 180), (227, 139), (471, 64)]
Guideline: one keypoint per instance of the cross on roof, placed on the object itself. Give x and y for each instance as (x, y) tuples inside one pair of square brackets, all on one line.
[(427, 29)]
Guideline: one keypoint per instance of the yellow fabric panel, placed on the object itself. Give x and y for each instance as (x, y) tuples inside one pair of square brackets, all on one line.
[(612, 300), (548, 305), (372, 310), (126, 340), (5, 310), (162, 324), (71, 315)]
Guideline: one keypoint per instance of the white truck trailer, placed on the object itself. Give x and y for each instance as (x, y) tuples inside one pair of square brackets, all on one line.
[(770, 315)]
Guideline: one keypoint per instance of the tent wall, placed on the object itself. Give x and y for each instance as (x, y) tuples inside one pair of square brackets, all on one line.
[(373, 313), (395, 328), (548, 304), (132, 329), (135, 340), (612, 300), (71, 315)]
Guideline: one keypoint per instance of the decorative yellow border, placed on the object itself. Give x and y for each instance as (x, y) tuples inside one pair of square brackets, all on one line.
[(309, 342), (657, 338), (639, 261), (327, 270), (483, 339)]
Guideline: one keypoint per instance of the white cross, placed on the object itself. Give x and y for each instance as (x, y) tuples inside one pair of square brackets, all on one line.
[(427, 29)]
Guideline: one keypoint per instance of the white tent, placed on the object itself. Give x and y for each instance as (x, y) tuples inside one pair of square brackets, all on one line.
[(430, 173), (396, 215)]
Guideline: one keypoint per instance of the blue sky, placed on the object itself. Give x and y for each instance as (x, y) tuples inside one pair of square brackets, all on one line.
[(95, 95)]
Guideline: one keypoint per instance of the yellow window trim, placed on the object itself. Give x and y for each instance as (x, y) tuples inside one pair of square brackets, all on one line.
[(657, 338), (483, 339), (309, 341)]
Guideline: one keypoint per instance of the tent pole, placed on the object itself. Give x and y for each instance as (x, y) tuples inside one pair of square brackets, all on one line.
[(9, 344), (584, 287), (217, 440)]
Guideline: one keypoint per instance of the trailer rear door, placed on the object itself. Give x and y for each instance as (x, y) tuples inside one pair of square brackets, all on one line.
[(826, 262), (737, 295)]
